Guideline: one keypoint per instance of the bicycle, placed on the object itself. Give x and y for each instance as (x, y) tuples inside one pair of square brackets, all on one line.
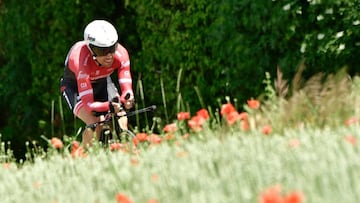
[(111, 130)]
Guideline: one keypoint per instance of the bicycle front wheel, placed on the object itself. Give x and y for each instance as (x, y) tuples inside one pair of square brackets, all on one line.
[(126, 135)]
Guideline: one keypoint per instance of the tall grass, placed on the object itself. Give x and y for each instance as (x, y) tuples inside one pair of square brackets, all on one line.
[(312, 149), (323, 166)]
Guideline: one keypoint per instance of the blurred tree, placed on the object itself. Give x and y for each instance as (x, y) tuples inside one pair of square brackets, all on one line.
[(223, 48)]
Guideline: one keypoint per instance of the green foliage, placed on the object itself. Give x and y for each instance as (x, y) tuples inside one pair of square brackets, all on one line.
[(36, 38), (237, 168), (223, 48), (329, 34)]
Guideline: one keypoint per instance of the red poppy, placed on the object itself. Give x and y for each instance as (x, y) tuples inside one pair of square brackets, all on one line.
[(196, 122), (142, 137), (294, 197), (122, 198), (232, 117), (245, 125), (272, 195), (78, 153), (183, 116), (243, 116), (116, 146), (56, 143), (77, 150), (155, 139), (351, 121), (227, 109), (75, 145), (203, 113), (351, 139), (135, 141), (170, 127), (267, 129), (253, 103)]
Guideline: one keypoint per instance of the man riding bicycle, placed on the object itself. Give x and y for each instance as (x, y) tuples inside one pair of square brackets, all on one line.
[(86, 84)]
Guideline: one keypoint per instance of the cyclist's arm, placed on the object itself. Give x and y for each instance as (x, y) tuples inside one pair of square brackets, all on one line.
[(86, 92), (124, 75)]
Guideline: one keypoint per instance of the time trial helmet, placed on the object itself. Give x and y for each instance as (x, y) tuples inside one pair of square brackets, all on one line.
[(101, 37)]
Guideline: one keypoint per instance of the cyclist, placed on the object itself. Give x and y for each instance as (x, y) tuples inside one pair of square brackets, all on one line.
[(86, 84)]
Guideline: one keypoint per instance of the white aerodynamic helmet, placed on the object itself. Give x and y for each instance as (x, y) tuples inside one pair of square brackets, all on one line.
[(101, 36)]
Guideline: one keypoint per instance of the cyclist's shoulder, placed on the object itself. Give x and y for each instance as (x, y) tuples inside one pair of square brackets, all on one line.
[(78, 48), (79, 54), (121, 51)]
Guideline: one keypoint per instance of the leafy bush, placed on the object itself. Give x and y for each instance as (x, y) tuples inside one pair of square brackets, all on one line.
[(185, 54)]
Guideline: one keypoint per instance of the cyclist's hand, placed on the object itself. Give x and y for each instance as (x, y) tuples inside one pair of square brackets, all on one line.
[(128, 104), (128, 100), (117, 107), (121, 113)]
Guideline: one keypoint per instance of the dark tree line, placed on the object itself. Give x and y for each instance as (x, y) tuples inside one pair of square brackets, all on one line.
[(192, 52)]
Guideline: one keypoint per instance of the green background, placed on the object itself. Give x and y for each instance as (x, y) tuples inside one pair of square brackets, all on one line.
[(179, 49)]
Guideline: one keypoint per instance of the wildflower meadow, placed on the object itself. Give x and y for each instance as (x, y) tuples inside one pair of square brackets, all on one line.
[(271, 149)]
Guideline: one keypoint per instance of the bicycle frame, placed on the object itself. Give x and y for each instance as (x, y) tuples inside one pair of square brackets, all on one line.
[(111, 123)]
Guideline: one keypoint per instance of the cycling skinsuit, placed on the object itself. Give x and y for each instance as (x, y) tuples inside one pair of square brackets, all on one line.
[(85, 83)]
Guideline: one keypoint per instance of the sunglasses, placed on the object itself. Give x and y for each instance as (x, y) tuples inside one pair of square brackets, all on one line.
[(102, 51)]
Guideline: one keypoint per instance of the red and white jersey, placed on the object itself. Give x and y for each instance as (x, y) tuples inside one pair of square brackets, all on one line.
[(83, 67)]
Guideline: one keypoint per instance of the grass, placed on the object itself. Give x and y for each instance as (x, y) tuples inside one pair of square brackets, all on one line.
[(323, 166), (306, 152)]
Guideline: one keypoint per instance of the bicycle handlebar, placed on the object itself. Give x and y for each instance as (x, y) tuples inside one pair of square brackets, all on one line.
[(128, 114), (116, 100), (146, 109)]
